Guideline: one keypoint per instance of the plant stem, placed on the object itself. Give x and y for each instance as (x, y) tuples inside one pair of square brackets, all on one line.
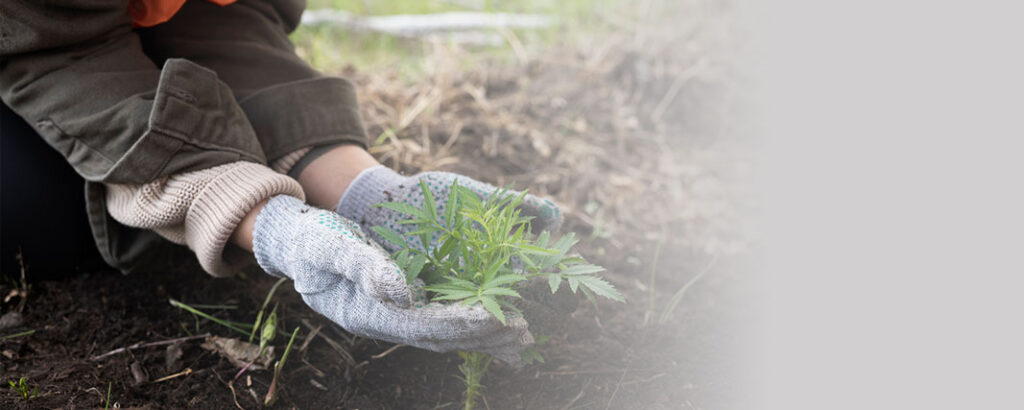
[(474, 365), (654, 272)]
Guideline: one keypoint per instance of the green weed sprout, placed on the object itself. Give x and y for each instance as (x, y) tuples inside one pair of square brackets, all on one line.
[(484, 250), (23, 389), (271, 396)]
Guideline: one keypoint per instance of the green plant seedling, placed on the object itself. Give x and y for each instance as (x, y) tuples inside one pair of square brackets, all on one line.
[(266, 301), (271, 397), (23, 389), (478, 252)]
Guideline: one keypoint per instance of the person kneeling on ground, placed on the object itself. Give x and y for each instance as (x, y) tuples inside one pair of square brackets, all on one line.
[(196, 124)]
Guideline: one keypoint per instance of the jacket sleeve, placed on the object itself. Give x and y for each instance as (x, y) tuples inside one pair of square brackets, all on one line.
[(201, 209), (290, 105), (77, 73)]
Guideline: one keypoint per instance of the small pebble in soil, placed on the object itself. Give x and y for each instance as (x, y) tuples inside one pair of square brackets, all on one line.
[(11, 319)]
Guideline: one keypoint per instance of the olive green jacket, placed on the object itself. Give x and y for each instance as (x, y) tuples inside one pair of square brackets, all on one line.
[(211, 86)]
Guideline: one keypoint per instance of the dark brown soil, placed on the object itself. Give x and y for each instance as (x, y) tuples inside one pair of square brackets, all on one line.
[(636, 166), (603, 359)]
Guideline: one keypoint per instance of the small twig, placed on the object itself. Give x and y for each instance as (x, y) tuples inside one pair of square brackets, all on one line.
[(578, 396), (234, 396), (185, 372), (674, 89), (232, 388), (386, 352), (647, 380), (678, 296), (141, 345), (334, 345), (572, 372), (309, 338), (654, 272), (23, 290), (616, 391)]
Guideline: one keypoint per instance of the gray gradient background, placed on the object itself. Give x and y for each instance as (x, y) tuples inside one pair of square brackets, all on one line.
[(892, 218)]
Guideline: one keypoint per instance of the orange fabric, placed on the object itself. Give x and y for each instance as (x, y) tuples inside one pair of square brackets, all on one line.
[(147, 13)]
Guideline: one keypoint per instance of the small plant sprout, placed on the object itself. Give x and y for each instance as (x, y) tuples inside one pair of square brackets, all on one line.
[(22, 388), (266, 301), (271, 397), (482, 250)]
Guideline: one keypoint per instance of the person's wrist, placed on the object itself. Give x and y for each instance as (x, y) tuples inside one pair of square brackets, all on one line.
[(242, 236), (328, 177)]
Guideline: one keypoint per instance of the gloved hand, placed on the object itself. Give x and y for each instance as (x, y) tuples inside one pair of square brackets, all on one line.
[(381, 184), (352, 281)]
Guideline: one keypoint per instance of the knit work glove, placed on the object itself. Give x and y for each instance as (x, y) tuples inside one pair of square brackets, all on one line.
[(352, 281), (381, 184)]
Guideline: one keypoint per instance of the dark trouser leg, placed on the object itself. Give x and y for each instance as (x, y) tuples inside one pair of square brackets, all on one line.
[(42, 207)]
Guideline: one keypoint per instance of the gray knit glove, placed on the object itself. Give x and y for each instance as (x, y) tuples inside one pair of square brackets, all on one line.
[(381, 184), (352, 281)]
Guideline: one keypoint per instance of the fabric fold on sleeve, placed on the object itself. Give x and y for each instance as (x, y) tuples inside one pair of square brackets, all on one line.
[(201, 209)]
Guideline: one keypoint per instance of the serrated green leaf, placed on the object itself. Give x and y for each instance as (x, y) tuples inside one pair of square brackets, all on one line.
[(529, 263), (390, 236), (422, 231), (459, 295), (554, 280), (590, 296), (462, 282), (492, 306), (502, 292), (581, 270), (536, 250), (566, 242), (451, 205), (506, 279), (428, 200), (601, 287), (488, 273), (572, 260), (543, 239), (448, 287), (415, 266), (405, 209), (402, 258), (574, 282), (446, 248)]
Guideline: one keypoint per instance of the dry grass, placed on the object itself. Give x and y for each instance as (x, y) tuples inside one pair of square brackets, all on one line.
[(631, 132)]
